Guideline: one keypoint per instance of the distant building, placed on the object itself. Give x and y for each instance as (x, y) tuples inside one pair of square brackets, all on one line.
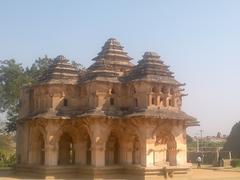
[(218, 138), (114, 113)]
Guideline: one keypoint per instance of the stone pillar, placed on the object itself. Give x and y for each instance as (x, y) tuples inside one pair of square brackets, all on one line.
[(99, 130), (150, 100), (147, 144), (98, 154), (158, 101), (51, 145), (147, 158), (160, 155), (81, 152), (179, 132), (126, 151), (33, 145), (22, 143), (51, 155)]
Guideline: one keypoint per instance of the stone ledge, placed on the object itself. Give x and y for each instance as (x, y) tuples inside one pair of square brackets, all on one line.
[(112, 172)]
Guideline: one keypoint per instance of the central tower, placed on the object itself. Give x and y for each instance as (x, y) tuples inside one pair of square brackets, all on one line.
[(113, 117)]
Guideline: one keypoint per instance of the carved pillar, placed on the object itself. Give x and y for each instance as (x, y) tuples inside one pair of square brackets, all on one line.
[(22, 143), (179, 132), (51, 155), (126, 151), (81, 152), (98, 154), (150, 100), (51, 146), (99, 131), (148, 158), (158, 101), (147, 144)]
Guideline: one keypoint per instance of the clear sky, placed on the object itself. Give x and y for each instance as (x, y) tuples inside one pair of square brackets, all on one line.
[(199, 39)]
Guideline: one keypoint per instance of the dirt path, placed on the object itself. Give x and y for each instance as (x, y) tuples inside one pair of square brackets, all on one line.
[(195, 174), (205, 174)]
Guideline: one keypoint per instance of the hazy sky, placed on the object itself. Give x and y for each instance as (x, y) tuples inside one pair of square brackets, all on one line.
[(199, 39)]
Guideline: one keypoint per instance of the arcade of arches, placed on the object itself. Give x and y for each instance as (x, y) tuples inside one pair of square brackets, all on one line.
[(102, 143), (113, 115)]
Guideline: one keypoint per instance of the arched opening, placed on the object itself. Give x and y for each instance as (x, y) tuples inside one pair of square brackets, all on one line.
[(153, 101), (65, 102), (162, 101), (164, 90), (171, 102), (172, 91), (165, 149), (136, 153), (112, 150), (66, 150)]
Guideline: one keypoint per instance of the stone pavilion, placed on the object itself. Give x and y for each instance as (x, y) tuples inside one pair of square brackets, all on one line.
[(112, 118)]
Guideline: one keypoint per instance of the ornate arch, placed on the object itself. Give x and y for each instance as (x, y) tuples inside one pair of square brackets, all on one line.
[(166, 138)]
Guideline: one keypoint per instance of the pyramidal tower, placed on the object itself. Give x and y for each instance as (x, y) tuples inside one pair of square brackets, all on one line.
[(111, 62), (114, 119), (60, 72)]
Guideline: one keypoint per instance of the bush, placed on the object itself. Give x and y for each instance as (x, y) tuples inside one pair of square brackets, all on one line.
[(235, 163), (7, 160)]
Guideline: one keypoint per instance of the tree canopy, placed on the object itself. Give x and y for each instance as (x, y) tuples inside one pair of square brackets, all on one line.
[(233, 144), (12, 77)]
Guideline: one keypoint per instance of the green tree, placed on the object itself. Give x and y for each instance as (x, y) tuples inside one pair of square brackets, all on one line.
[(189, 139), (38, 68), (233, 144), (78, 66), (12, 77)]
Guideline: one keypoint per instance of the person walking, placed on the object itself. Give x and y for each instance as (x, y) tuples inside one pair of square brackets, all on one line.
[(199, 161)]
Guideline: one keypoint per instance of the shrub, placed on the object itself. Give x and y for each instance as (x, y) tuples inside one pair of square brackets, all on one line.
[(7, 160), (235, 163)]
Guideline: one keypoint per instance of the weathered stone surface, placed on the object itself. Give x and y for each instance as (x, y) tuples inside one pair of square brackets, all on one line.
[(115, 113), (60, 72), (111, 63)]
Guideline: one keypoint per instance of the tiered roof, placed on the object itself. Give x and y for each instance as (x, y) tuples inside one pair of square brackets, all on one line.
[(60, 72), (113, 53), (152, 68), (110, 63), (113, 65)]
